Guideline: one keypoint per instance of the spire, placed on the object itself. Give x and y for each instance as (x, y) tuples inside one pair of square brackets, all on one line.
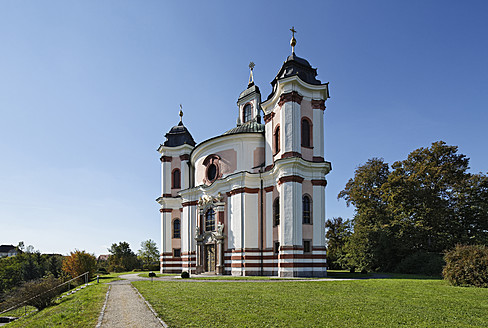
[(293, 41), (251, 77), (181, 115)]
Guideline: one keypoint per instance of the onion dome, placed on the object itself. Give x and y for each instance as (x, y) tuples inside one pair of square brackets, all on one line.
[(179, 135)]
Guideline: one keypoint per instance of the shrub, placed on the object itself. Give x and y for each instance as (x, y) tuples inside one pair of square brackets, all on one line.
[(39, 293), (352, 270), (78, 263), (185, 275), (467, 266), (429, 264), (101, 271), (364, 271), (151, 267), (151, 274), (116, 268)]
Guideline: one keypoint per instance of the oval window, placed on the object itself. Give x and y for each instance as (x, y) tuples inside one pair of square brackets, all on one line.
[(211, 172)]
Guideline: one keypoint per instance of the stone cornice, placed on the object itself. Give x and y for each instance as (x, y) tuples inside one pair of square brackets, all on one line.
[(290, 97)]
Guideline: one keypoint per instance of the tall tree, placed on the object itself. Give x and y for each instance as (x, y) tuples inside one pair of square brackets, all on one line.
[(149, 253), (123, 256), (369, 247), (338, 231)]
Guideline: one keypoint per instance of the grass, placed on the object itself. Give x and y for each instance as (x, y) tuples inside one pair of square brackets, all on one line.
[(357, 303), (78, 310)]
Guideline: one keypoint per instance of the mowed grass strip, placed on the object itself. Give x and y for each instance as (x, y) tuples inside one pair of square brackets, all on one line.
[(358, 303), (78, 310)]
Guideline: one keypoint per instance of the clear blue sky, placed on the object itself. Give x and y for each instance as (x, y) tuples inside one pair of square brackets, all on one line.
[(89, 88)]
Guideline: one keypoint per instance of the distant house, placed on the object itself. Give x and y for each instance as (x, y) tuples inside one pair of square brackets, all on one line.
[(102, 258), (8, 250)]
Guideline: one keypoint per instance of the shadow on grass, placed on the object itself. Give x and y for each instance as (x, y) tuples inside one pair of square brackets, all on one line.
[(343, 274)]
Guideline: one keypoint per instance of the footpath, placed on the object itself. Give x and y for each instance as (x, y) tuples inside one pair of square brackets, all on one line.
[(125, 307)]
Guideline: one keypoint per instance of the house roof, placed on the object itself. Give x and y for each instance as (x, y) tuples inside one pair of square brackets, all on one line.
[(6, 248)]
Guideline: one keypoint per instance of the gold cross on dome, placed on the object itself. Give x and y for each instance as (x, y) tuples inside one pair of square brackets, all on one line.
[(293, 31), (251, 65)]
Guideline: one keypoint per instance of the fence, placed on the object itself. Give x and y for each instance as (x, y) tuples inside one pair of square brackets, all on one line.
[(24, 303)]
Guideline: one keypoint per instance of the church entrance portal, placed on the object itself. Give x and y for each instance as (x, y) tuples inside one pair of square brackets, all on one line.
[(209, 258)]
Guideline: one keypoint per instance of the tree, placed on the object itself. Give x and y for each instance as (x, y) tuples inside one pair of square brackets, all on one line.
[(122, 256), (149, 253), (369, 247), (79, 262), (426, 204), (338, 231)]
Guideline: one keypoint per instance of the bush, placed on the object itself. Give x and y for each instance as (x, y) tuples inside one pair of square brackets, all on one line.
[(39, 293), (79, 262), (352, 270), (151, 267), (425, 263), (101, 271), (364, 271), (151, 274), (185, 275), (116, 268), (467, 266)]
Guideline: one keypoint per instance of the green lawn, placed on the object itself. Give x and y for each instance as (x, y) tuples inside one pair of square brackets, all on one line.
[(78, 310), (358, 303)]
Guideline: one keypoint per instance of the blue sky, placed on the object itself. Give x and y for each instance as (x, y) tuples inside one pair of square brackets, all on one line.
[(89, 88)]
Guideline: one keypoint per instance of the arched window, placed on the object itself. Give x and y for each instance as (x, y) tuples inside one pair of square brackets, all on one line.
[(276, 211), (277, 140), (306, 208), (247, 113), (210, 220), (176, 178), (306, 140), (176, 229)]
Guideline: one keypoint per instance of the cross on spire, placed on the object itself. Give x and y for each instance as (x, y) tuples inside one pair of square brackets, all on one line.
[(251, 76), (181, 113), (293, 41)]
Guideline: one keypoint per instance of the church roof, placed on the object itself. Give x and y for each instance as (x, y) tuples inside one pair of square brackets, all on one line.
[(179, 135), (246, 128), (252, 88), (295, 65)]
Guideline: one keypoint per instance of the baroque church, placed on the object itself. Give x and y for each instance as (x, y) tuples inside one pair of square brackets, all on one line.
[(251, 201)]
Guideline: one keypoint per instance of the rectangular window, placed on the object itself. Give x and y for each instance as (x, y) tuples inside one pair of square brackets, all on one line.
[(306, 246), (276, 247), (176, 252)]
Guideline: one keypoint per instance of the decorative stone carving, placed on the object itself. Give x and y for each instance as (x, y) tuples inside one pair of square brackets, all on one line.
[(220, 230)]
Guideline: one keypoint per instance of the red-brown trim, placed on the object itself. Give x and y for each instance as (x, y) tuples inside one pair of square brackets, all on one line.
[(301, 265), (268, 117), (318, 159), (268, 168), (290, 96), (320, 104), (166, 158), (269, 189), (167, 195), (243, 190), (165, 210), (290, 178), (291, 248), (319, 183), (184, 157), (303, 256), (319, 248), (291, 154), (192, 203), (187, 253)]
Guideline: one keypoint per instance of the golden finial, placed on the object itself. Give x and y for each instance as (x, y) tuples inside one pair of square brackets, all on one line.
[(293, 41), (251, 77), (181, 113)]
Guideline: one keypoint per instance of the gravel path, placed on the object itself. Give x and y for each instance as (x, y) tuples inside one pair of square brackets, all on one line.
[(125, 308)]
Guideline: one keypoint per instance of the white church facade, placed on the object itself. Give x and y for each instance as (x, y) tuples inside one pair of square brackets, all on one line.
[(252, 200)]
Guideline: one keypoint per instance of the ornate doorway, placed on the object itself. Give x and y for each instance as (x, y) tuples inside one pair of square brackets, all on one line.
[(209, 258)]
